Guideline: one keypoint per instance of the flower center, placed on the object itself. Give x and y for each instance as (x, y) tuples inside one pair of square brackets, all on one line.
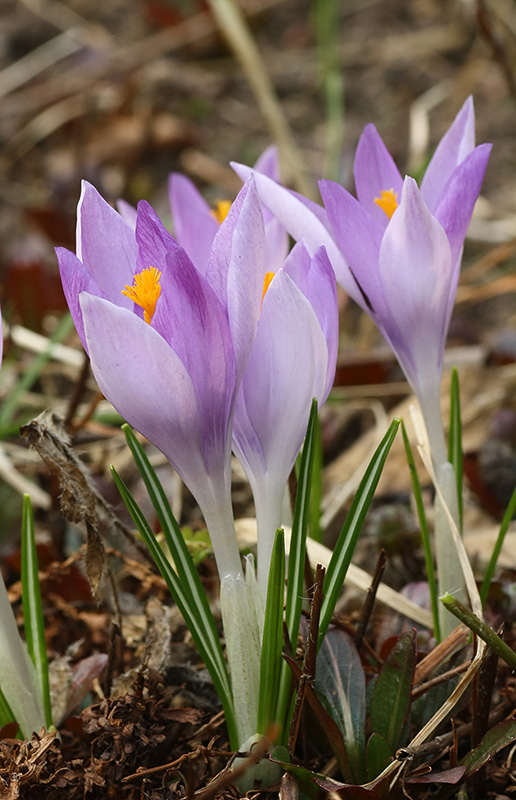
[(221, 210), (388, 201), (145, 291)]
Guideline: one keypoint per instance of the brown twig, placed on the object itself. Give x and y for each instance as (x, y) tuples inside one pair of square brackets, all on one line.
[(370, 598), (307, 676)]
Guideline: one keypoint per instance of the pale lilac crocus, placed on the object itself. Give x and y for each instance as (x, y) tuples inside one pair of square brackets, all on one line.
[(293, 360), (168, 346), (396, 249), (171, 362)]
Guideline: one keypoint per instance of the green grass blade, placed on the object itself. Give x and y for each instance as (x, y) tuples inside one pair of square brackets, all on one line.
[(32, 609), (297, 554), (193, 589), (455, 437), (504, 527), (425, 534), (272, 643), (198, 617), (346, 543), (6, 715), (316, 486), (326, 19), (12, 402)]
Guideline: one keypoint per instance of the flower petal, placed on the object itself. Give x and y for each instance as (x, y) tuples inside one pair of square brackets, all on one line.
[(302, 219), (455, 207), (145, 380), (236, 270), (287, 368), (457, 142), (375, 171), (75, 279), (359, 236), (193, 321), (195, 226), (106, 245), (417, 277)]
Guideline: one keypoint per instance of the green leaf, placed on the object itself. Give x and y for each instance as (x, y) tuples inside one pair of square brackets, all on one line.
[(340, 685), (184, 588), (390, 703), (272, 643), (6, 715), (425, 535), (504, 527), (316, 486), (455, 437), (346, 543), (12, 402), (297, 556), (379, 756), (32, 609)]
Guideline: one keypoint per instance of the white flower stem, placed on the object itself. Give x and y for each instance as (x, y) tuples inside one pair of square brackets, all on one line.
[(269, 511), (449, 571)]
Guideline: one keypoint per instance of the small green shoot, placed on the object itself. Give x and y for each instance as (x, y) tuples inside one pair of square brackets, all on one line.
[(346, 543), (480, 628), (272, 643), (425, 534), (32, 609), (455, 437), (504, 527)]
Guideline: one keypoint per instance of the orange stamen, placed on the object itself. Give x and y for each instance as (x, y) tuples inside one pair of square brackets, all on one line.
[(388, 201), (221, 210), (145, 291), (267, 282)]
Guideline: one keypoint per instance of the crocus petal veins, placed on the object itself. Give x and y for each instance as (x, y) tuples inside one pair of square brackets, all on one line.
[(388, 201), (145, 291), (221, 210)]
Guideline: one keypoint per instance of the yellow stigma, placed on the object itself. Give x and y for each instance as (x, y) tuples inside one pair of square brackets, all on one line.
[(221, 210), (267, 282), (145, 291), (388, 202)]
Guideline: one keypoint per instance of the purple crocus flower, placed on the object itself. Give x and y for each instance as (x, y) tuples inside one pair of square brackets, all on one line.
[(293, 360), (169, 345), (397, 248)]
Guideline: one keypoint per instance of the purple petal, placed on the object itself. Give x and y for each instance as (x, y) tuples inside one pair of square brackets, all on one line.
[(417, 278), (236, 270), (106, 245), (359, 236), (154, 241), (375, 172), (457, 142), (459, 196), (147, 383), (268, 163), (287, 368), (276, 244), (75, 279), (192, 320), (300, 219), (127, 212), (195, 226), (316, 280)]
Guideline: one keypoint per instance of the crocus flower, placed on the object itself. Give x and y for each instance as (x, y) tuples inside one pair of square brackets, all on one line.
[(293, 360), (397, 248), (168, 345)]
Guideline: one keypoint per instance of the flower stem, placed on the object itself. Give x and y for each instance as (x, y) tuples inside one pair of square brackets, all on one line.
[(449, 570)]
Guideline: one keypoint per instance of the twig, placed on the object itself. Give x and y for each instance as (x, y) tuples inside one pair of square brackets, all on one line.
[(307, 676), (370, 599)]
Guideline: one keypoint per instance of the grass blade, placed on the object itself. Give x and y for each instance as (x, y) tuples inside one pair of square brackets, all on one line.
[(504, 527), (32, 610), (272, 643), (297, 555), (455, 437), (198, 617), (425, 534), (346, 543)]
